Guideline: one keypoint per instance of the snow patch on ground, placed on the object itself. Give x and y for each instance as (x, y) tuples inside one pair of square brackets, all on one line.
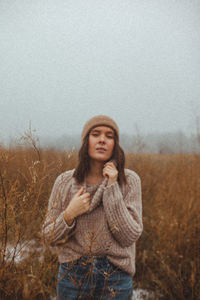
[(21, 251), (140, 294)]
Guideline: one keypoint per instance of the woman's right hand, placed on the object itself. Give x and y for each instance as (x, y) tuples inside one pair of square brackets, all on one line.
[(79, 205)]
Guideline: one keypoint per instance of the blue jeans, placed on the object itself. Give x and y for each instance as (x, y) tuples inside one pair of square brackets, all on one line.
[(91, 278)]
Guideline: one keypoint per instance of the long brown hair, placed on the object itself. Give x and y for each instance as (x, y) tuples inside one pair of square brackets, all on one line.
[(83, 166)]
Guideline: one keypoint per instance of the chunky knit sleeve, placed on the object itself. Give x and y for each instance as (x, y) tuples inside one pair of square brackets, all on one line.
[(54, 227), (124, 214)]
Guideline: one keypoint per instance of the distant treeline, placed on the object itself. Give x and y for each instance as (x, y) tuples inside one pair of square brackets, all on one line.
[(170, 143)]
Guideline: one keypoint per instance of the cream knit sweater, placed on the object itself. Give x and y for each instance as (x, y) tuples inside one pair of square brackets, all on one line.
[(110, 228)]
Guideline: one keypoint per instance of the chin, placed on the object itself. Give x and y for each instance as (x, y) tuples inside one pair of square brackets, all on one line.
[(100, 158)]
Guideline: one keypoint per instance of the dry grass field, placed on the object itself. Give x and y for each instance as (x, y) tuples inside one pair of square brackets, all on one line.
[(168, 251)]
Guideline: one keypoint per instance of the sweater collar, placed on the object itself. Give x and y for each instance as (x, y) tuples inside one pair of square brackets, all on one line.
[(97, 197)]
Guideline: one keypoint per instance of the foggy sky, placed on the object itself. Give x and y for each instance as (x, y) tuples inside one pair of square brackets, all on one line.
[(64, 61)]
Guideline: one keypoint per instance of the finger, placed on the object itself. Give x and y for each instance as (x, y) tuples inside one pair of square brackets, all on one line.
[(106, 167), (109, 164), (86, 201), (105, 174), (80, 192), (109, 168), (85, 196)]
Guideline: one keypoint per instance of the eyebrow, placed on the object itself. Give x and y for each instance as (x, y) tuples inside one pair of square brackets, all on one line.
[(96, 130)]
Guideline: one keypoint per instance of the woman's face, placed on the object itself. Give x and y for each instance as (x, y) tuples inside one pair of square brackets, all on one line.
[(101, 143)]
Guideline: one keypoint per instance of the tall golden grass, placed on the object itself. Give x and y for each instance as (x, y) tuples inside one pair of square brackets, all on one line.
[(167, 253)]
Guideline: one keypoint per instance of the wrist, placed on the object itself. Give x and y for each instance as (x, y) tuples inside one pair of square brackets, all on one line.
[(111, 181), (68, 216)]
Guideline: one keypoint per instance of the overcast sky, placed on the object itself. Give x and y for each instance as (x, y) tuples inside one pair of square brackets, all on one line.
[(64, 61)]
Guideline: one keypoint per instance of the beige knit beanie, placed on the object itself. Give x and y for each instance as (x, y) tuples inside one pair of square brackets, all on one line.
[(99, 120)]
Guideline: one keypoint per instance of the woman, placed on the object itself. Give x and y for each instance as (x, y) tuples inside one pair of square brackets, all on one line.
[(95, 218)]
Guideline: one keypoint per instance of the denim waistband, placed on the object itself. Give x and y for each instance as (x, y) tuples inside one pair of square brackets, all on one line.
[(90, 260), (93, 258)]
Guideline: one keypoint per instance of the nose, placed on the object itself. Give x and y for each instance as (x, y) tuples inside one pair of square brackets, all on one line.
[(102, 138)]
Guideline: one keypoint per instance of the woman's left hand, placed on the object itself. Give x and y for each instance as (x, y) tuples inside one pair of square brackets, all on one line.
[(110, 170)]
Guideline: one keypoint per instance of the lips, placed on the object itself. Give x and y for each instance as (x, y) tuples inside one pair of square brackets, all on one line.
[(101, 149)]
